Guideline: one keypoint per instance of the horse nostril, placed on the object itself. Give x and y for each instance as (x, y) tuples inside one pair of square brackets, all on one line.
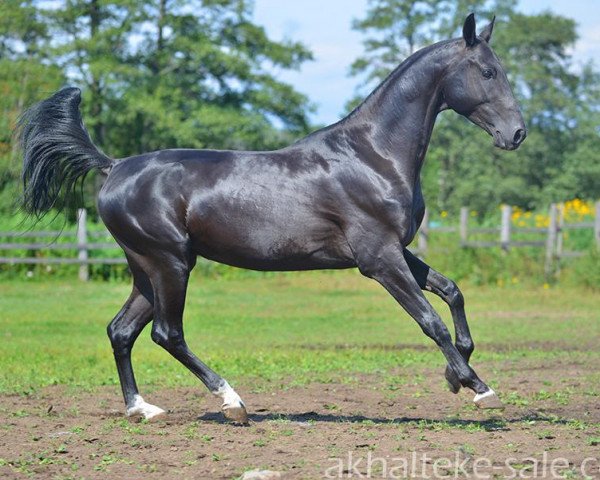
[(519, 136)]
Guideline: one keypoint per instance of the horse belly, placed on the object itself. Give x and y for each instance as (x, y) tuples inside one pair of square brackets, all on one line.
[(270, 237)]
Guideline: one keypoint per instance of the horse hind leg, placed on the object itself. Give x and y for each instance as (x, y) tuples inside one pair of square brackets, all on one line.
[(169, 278), (124, 329)]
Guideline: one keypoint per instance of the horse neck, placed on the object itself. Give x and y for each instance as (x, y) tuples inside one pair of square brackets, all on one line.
[(402, 110)]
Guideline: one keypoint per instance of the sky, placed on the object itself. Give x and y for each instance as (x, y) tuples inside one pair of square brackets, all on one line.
[(324, 26)]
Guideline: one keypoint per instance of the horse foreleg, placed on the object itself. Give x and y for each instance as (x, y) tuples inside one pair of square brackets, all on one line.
[(169, 279), (388, 266), (447, 290)]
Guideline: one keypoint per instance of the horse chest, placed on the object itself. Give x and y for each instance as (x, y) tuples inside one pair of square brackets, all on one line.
[(404, 214)]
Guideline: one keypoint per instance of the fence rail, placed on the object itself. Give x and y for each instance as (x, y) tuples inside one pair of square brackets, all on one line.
[(553, 233), (65, 261), (86, 242)]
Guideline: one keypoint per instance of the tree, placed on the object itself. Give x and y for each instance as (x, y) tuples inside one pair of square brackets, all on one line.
[(25, 77), (451, 20), (580, 175), (154, 74), (396, 28), (91, 40), (203, 79)]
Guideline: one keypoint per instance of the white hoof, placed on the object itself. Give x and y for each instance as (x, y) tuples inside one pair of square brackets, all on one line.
[(488, 399), (146, 410), (233, 407)]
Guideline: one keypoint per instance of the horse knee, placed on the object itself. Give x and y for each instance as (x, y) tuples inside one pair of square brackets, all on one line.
[(454, 296), (465, 346), (435, 329), (120, 341), (159, 337), (168, 339)]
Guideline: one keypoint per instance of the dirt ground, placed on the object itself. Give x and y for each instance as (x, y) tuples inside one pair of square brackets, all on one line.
[(371, 426)]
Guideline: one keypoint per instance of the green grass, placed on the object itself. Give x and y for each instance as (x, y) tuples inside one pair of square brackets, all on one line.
[(285, 327)]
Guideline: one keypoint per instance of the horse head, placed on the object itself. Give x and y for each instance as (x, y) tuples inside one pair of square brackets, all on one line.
[(476, 87)]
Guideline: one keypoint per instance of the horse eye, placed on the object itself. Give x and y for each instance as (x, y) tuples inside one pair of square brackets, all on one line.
[(488, 72)]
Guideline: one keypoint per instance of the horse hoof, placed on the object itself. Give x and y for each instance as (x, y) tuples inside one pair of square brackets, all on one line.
[(156, 414), (235, 413), (145, 410), (233, 408), (488, 399), (452, 380)]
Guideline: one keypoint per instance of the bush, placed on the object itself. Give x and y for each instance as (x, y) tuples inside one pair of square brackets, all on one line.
[(583, 271)]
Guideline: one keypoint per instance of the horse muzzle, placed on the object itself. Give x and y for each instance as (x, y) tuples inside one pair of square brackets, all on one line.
[(510, 141)]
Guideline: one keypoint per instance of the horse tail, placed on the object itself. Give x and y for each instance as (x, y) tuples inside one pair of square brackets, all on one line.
[(57, 152)]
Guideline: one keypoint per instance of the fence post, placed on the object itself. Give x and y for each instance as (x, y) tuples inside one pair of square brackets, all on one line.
[(597, 224), (505, 227), (559, 231), (464, 225), (82, 256), (551, 240), (423, 234)]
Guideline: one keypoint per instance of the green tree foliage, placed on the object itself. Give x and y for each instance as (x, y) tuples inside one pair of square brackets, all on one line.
[(560, 104), (89, 42), (25, 76), (168, 73), (154, 74), (395, 29), (204, 67)]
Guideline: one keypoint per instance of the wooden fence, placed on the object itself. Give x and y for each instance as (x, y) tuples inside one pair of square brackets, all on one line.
[(83, 242), (551, 238)]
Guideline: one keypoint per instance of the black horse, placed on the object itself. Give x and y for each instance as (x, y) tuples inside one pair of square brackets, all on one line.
[(346, 196)]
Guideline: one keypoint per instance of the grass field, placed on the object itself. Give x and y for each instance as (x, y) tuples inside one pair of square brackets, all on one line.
[(304, 326), (300, 333)]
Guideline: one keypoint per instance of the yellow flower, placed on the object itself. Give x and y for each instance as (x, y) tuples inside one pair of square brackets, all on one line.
[(576, 209), (444, 214), (542, 221)]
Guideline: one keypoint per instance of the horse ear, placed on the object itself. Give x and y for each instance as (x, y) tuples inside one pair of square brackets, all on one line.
[(469, 33), (486, 33)]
